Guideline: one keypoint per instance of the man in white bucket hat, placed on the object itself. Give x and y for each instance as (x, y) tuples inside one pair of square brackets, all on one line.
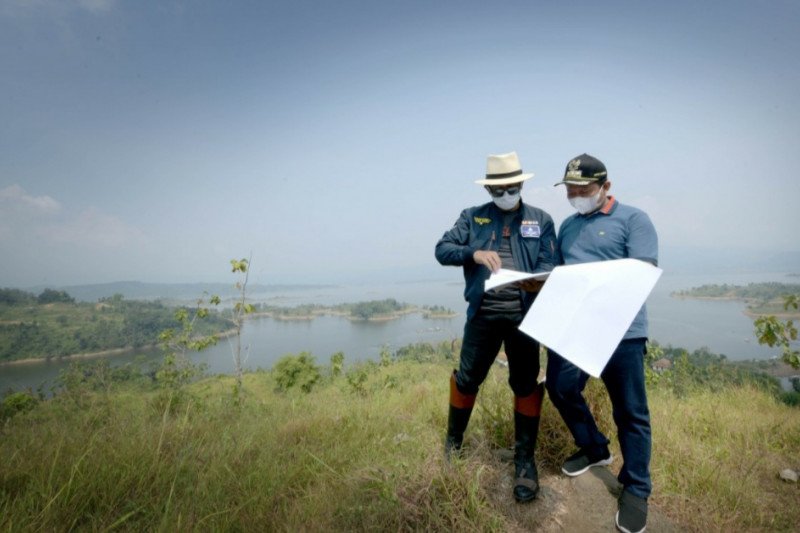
[(509, 233)]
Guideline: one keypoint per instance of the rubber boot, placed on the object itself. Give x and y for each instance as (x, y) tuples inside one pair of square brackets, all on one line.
[(460, 410), (526, 430)]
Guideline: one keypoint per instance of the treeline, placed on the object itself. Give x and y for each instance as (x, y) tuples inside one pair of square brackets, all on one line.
[(47, 296), (52, 324), (433, 311), (359, 310), (304, 310), (706, 370), (752, 291), (376, 308)]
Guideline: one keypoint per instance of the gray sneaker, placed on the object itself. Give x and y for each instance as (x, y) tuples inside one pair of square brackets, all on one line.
[(581, 461), (632, 514)]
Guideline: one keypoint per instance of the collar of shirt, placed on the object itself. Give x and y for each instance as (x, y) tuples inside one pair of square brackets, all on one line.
[(606, 209)]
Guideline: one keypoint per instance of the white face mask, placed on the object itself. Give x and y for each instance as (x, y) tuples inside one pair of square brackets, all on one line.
[(588, 204), (506, 202)]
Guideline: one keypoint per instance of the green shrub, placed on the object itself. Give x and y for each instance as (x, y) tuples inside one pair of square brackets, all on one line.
[(16, 402), (357, 379), (337, 363), (791, 398), (425, 352), (173, 374), (298, 370), (81, 378), (386, 356)]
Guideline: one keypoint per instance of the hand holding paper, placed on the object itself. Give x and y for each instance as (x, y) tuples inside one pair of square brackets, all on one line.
[(488, 258), (505, 276)]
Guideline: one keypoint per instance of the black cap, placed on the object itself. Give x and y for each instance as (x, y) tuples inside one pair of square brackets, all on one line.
[(583, 170)]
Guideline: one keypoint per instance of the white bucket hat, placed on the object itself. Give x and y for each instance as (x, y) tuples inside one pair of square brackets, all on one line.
[(503, 169)]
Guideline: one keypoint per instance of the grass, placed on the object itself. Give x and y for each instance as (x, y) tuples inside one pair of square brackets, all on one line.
[(341, 459), (717, 456)]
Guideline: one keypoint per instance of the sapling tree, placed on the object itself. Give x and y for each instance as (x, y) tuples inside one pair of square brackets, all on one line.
[(774, 332), (176, 370), (238, 313)]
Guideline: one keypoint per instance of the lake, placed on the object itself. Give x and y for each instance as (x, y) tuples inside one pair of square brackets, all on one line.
[(721, 326)]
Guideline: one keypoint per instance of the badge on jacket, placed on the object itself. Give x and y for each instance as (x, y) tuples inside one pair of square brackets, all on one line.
[(530, 229)]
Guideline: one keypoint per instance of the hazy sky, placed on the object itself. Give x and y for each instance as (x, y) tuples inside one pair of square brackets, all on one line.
[(155, 141)]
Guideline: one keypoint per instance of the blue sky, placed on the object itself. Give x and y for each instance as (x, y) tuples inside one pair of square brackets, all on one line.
[(154, 141)]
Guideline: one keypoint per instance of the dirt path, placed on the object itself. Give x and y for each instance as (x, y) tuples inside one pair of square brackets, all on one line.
[(587, 503)]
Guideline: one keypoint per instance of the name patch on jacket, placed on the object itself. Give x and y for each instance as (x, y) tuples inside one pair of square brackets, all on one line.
[(530, 229), (481, 221)]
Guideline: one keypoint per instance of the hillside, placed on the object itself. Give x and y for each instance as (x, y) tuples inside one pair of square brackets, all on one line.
[(362, 451), (34, 329)]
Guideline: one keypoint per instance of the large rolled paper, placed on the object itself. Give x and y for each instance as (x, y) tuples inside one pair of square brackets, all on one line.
[(583, 310)]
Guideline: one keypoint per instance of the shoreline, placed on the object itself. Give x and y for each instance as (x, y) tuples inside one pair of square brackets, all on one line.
[(440, 316), (76, 356), (100, 354)]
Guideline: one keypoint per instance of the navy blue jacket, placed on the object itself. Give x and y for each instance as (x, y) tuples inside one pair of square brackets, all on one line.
[(481, 228)]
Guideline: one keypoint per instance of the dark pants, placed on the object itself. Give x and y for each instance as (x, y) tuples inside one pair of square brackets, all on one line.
[(624, 380), (482, 340)]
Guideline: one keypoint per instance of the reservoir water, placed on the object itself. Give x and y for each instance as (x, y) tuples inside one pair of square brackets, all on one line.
[(721, 326)]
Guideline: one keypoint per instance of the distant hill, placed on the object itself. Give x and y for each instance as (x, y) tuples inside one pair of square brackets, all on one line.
[(137, 290)]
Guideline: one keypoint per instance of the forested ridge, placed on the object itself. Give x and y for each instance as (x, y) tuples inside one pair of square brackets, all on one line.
[(53, 324)]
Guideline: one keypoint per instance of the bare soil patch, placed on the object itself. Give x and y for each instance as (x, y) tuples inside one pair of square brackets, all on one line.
[(586, 503)]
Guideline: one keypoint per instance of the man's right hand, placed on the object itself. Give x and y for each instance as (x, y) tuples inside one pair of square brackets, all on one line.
[(487, 258)]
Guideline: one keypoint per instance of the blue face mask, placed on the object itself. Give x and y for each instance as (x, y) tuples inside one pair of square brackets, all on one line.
[(507, 202)]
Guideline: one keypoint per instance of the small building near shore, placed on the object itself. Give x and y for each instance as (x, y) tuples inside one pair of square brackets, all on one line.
[(662, 365)]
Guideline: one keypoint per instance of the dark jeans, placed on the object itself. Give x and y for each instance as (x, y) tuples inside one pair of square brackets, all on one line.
[(482, 340), (624, 380)]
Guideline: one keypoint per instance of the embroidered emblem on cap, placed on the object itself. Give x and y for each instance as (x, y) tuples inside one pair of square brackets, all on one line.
[(573, 169)]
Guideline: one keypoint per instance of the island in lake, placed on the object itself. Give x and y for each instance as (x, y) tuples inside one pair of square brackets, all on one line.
[(761, 298), (373, 310)]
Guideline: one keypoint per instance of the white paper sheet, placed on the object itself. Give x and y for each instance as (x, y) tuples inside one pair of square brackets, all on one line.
[(504, 276), (583, 310)]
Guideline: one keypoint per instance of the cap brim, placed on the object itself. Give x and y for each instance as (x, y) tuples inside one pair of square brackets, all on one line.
[(575, 182), (505, 181)]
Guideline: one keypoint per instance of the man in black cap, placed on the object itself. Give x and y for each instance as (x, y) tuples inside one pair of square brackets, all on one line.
[(603, 229), (509, 233)]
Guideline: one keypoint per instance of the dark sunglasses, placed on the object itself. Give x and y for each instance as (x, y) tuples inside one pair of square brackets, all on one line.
[(497, 192)]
